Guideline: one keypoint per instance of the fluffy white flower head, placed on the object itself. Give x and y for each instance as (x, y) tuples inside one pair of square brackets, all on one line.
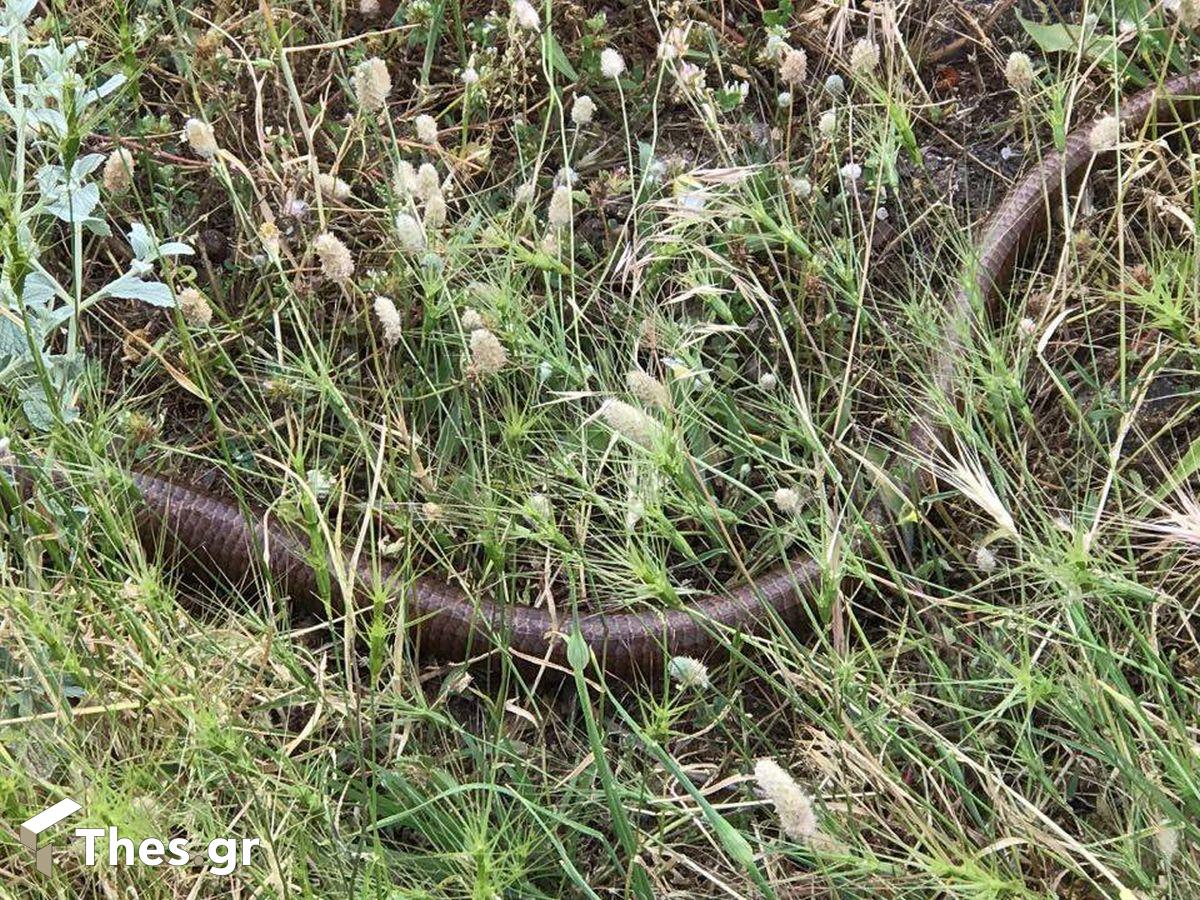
[(611, 63), (389, 320), (372, 84), (526, 16), (583, 109), (199, 136)]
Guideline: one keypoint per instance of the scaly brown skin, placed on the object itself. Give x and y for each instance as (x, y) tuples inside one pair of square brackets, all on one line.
[(200, 533)]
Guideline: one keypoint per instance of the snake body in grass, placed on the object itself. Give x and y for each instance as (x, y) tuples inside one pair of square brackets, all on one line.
[(199, 533)]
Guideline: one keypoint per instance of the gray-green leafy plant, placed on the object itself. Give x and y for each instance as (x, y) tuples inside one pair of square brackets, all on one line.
[(51, 109)]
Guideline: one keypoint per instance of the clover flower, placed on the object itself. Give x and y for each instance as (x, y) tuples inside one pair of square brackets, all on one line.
[(864, 57), (428, 182), (405, 182), (827, 124), (118, 171), (410, 233), (389, 320), (332, 187), (435, 211), (199, 136), (787, 500), (559, 212), (488, 355), (1018, 71), (793, 67), (426, 128), (688, 672), (583, 109), (336, 262), (471, 320), (372, 84), (526, 16), (611, 63), (194, 307)]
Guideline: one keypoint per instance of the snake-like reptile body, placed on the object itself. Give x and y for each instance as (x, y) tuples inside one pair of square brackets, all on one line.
[(201, 533)]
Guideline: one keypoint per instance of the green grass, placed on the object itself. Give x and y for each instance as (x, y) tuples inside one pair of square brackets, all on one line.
[(996, 695)]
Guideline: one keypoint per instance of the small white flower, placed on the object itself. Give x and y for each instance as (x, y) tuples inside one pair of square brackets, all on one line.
[(426, 128), (881, 214), (195, 307), (526, 16), (369, 8), (118, 171), (787, 500), (389, 320), (488, 355), (864, 57), (767, 381), (471, 320), (1027, 327), (784, 99), (410, 233), (428, 182), (1018, 71), (336, 262), (851, 171), (793, 67), (199, 136), (406, 179), (470, 76), (583, 109), (435, 212), (559, 211), (801, 187), (688, 672), (524, 193), (1105, 134), (835, 85), (827, 124), (372, 84), (611, 63)]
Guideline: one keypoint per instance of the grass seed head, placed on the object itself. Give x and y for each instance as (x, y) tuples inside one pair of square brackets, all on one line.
[(559, 212), (630, 422), (526, 16), (410, 233), (792, 804)]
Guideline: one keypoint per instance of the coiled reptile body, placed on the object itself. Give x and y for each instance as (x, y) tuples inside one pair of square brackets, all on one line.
[(200, 532)]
